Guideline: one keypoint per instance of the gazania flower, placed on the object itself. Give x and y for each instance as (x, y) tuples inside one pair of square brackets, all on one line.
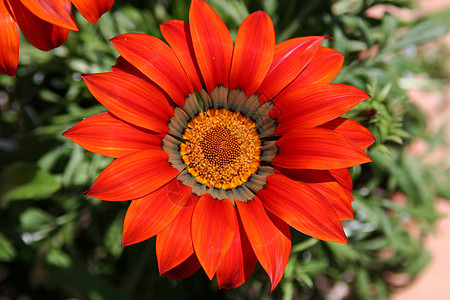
[(45, 23), (221, 147)]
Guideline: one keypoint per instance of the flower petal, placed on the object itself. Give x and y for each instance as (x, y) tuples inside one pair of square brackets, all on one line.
[(185, 269), (302, 207), (9, 42), (174, 243), (178, 36), (131, 99), (57, 12), (345, 180), (133, 176), (352, 130), (290, 58), (313, 105), (323, 68), (270, 242), (92, 10), (42, 34), (323, 182), (157, 60), (213, 229), (212, 43), (151, 214), (122, 66), (107, 135), (318, 149), (253, 53), (239, 261)]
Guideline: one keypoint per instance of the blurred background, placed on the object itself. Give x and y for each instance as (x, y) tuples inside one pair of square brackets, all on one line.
[(55, 243)]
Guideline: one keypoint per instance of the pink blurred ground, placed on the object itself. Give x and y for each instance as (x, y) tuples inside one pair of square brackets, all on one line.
[(434, 281)]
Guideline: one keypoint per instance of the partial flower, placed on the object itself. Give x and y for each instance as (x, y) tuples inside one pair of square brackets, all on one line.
[(45, 23), (222, 146)]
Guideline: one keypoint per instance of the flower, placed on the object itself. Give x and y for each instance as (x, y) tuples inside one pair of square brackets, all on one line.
[(45, 23), (222, 147)]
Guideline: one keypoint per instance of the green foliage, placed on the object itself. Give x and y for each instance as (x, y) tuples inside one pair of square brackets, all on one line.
[(55, 243)]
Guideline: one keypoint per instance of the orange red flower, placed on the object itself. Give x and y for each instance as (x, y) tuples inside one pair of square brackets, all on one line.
[(222, 146), (45, 23)]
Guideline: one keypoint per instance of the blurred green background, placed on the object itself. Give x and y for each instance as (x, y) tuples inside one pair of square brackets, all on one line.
[(56, 243)]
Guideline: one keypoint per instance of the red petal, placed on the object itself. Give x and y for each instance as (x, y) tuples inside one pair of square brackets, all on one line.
[(318, 149), (213, 229), (302, 207), (253, 53), (57, 12), (157, 60), (239, 261), (174, 243), (107, 135), (131, 99), (133, 176), (9, 42), (323, 182), (151, 214), (323, 67), (313, 105), (270, 242), (42, 34), (92, 10), (185, 269), (177, 34), (212, 43), (122, 66), (290, 58), (352, 130), (345, 180)]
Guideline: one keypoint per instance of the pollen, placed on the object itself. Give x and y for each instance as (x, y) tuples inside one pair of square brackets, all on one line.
[(221, 148)]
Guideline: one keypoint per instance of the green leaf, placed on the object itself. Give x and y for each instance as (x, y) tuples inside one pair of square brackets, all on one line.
[(34, 219), (113, 236), (27, 181), (58, 258), (422, 32), (7, 251)]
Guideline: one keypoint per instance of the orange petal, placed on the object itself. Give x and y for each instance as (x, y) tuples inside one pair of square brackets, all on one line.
[(178, 36), (313, 105), (92, 10), (133, 176), (107, 135), (318, 149), (185, 269), (131, 99), (213, 229), (352, 130), (302, 207), (323, 182), (212, 43), (270, 238), (151, 214), (239, 261), (157, 60), (174, 243), (57, 12), (290, 58), (42, 34), (253, 53), (9, 42), (323, 68), (345, 180)]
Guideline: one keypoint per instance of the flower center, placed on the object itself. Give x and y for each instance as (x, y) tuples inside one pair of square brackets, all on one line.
[(221, 148)]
